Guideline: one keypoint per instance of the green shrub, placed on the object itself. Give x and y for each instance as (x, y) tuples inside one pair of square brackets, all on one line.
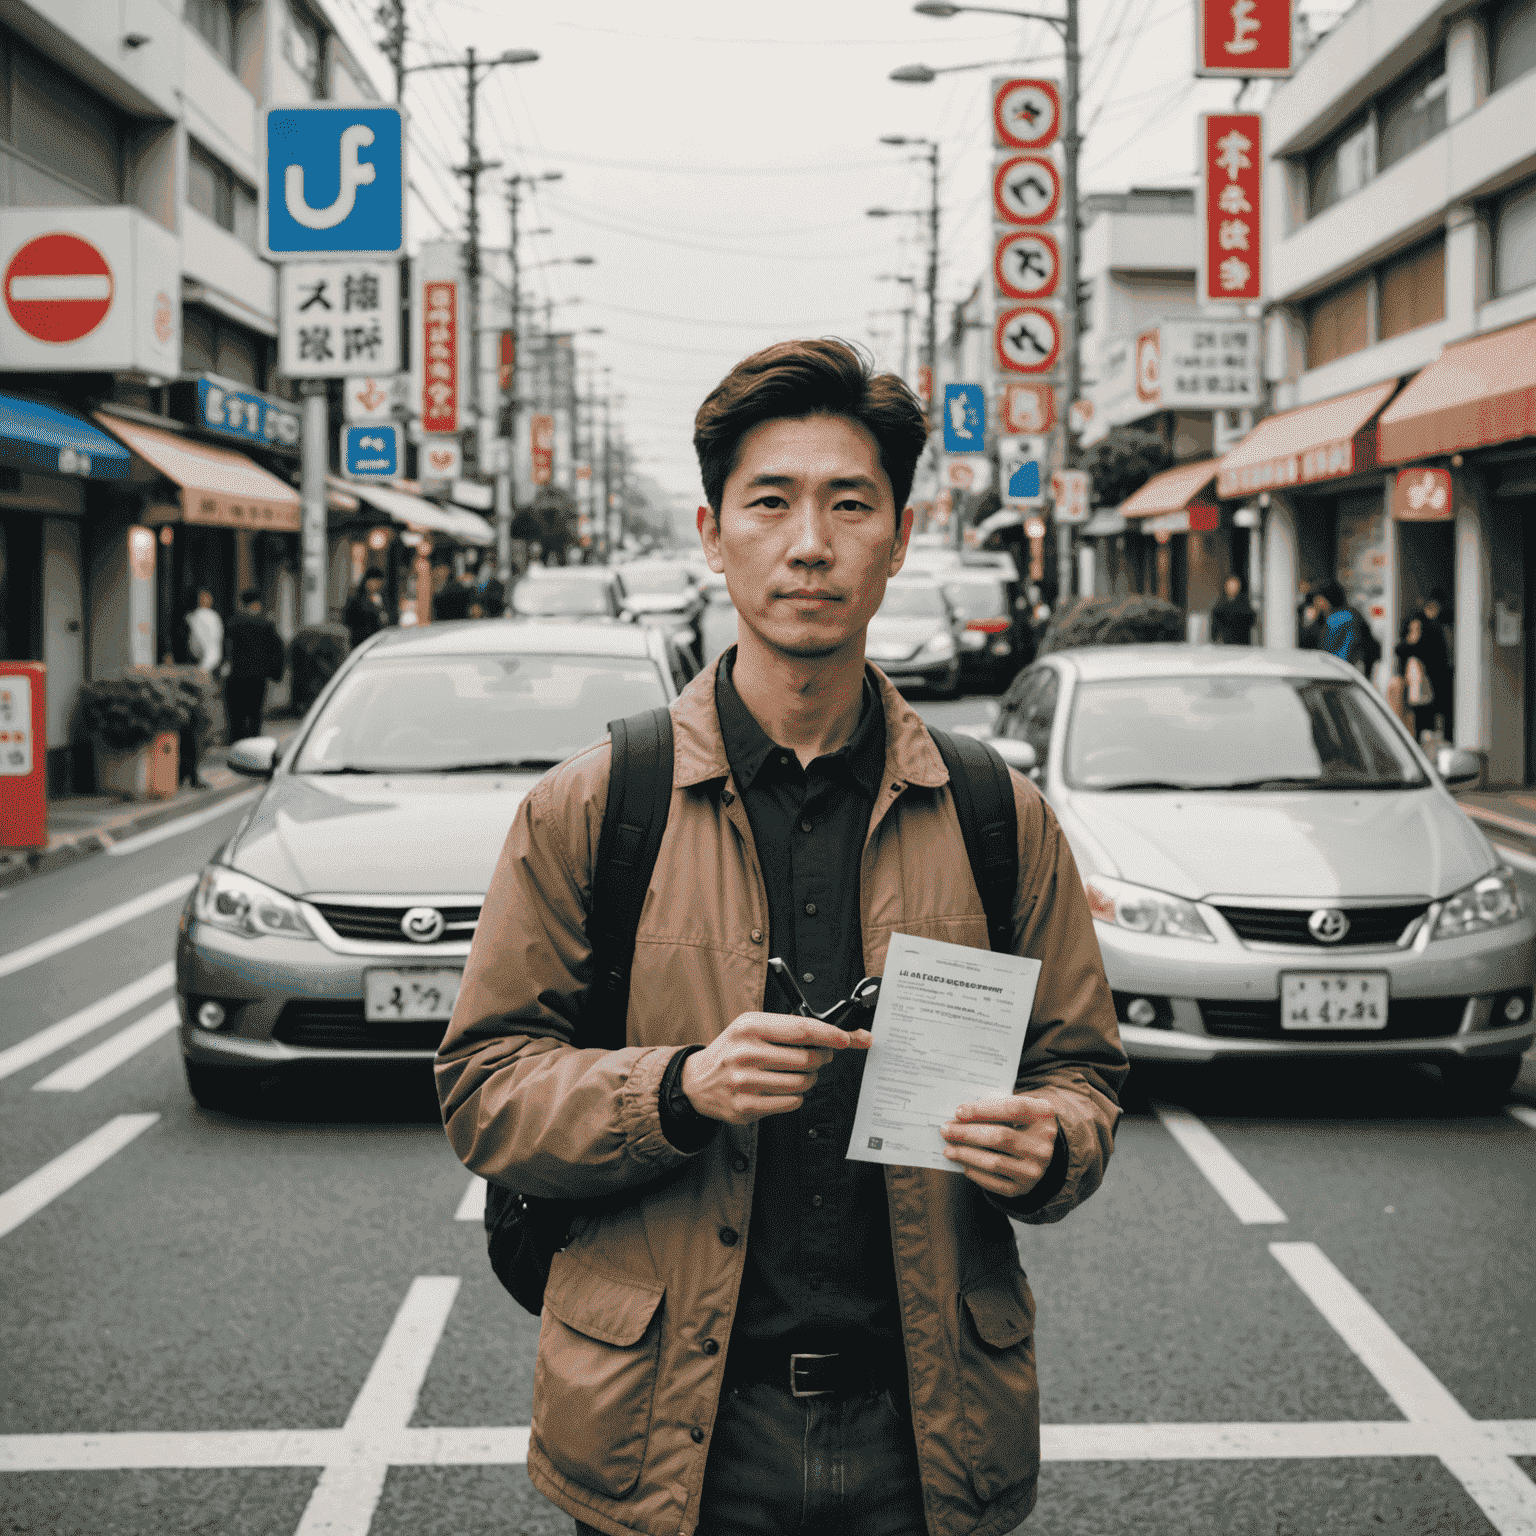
[(124, 713)]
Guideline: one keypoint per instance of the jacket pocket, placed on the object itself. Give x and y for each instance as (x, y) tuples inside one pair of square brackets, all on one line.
[(595, 1379), (999, 1390)]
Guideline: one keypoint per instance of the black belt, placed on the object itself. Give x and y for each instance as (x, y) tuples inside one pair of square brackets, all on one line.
[(804, 1373)]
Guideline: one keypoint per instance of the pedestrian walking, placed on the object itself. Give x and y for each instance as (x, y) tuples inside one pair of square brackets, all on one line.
[(255, 658), (749, 1332), (1343, 630), (205, 635), (450, 596), (1436, 655), (1233, 618), (1419, 695), (490, 592), (367, 612)]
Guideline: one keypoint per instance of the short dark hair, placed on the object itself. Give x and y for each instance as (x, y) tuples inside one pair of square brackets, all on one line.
[(1332, 594), (249, 596), (818, 377), (373, 573)]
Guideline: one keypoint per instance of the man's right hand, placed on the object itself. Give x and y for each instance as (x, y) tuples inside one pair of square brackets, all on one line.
[(763, 1064)]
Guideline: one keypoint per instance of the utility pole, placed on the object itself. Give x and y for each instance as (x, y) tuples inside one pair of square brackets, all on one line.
[(933, 280), (614, 538), (391, 16), (470, 171), (510, 403), (1071, 144)]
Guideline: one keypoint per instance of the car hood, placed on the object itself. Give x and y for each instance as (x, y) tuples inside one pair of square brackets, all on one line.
[(1298, 844), (659, 602), (408, 834), (905, 629)]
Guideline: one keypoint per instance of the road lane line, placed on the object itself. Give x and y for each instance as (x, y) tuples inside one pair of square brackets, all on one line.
[(1242, 1192), (66, 1170), (349, 1488), (78, 1025), (1506, 1496), (126, 1043), (472, 1206), (180, 824), (1523, 1113), (103, 922)]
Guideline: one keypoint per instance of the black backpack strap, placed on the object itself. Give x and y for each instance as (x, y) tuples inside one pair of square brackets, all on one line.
[(639, 799), (982, 788)]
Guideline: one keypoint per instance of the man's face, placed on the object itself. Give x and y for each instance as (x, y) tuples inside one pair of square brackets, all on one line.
[(1432, 609), (808, 534), (1233, 586), (373, 587), (205, 599)]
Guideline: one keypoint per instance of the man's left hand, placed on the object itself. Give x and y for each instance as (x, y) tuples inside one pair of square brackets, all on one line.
[(1003, 1145)]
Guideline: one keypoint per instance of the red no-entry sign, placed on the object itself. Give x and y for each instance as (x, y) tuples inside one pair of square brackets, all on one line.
[(58, 288)]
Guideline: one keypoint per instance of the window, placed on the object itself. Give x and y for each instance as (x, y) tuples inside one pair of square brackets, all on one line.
[(1339, 168), (1412, 112), (303, 47), (1412, 291), (1514, 240), (216, 192), (1338, 323), (214, 21), (71, 137), (1512, 42), (211, 344)]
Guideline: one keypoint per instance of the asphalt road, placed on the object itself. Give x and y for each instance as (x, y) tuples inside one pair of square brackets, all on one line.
[(1301, 1303)]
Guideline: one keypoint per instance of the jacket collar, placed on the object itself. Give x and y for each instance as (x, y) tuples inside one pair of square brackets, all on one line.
[(698, 750)]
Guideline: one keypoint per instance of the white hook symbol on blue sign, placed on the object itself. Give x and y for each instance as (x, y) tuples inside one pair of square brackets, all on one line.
[(354, 174)]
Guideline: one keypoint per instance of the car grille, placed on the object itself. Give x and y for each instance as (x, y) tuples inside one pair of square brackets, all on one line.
[(1288, 925), (342, 1026), (1409, 1018), (381, 925)]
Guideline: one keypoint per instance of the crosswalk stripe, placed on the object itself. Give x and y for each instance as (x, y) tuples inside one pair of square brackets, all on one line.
[(103, 922), (183, 824), (1242, 1192), (78, 1025), (95, 1064), (472, 1206), (66, 1170)]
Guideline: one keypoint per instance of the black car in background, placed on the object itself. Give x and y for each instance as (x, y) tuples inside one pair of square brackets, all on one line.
[(995, 638)]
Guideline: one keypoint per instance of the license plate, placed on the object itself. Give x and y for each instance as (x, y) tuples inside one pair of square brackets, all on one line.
[(410, 994), (1333, 1000)]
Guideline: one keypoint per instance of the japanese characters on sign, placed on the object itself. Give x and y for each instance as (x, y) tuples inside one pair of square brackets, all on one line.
[(440, 356), (339, 319), (1231, 161), (541, 433), (1070, 491), (1199, 364), (1243, 38), (216, 406)]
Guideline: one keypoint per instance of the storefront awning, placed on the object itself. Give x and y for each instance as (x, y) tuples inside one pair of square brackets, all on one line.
[(1103, 525), (1479, 392), (1326, 441), (425, 516), (219, 487), (1171, 491), (43, 437)]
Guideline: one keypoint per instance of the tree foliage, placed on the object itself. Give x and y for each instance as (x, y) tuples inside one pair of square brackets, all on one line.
[(1123, 462)]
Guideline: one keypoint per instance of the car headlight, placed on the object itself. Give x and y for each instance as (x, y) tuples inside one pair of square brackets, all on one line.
[(238, 904), (1491, 903), (942, 645), (1140, 910)]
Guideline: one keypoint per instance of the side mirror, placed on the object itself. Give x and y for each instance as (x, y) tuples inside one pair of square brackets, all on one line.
[(1017, 754), (254, 756), (1458, 767)]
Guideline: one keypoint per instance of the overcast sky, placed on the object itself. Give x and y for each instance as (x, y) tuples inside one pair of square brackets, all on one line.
[(718, 159)]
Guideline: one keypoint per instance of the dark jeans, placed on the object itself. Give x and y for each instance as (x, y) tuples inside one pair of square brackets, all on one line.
[(243, 699), (809, 1466)]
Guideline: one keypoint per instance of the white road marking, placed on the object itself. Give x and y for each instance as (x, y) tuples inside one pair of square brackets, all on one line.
[(1225, 1174), (350, 1486), (95, 1064), (92, 927), (1506, 1496), (78, 1025), (183, 824), (1516, 857), (472, 1206), (66, 1170)]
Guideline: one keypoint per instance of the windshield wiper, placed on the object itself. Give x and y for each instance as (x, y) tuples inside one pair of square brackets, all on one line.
[(1298, 782), (499, 764), (1133, 784), (350, 768)]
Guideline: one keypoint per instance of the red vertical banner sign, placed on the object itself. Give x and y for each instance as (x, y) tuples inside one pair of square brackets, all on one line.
[(1232, 181), (440, 357), (541, 431), (1244, 38)]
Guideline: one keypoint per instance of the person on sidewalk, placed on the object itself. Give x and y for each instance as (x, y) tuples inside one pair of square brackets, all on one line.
[(756, 1334), (255, 658), (1436, 655), (366, 612), (205, 635), (1233, 618)]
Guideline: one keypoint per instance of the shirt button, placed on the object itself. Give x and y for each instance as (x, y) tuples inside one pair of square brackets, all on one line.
[(808, 976), (711, 1347), (757, 935), (810, 909), (816, 1201), (805, 826), (728, 1236), (696, 1435), (739, 1163), (784, 760)]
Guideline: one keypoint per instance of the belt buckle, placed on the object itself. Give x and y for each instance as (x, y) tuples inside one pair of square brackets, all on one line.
[(794, 1389)]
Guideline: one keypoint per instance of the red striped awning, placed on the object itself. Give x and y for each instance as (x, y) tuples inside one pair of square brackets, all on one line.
[(1171, 491), (1326, 441)]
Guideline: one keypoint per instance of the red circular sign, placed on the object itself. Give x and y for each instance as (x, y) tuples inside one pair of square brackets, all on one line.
[(1026, 189), (1027, 339), (1027, 264), (58, 288)]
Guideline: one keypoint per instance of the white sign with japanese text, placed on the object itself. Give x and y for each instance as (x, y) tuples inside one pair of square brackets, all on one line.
[(1209, 364), (339, 319)]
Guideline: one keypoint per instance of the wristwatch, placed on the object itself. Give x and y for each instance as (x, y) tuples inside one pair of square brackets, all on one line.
[(681, 1123)]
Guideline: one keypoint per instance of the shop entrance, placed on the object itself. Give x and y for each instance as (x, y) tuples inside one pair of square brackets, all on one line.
[(1426, 565)]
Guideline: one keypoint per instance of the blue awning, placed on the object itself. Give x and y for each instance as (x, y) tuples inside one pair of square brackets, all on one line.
[(37, 436)]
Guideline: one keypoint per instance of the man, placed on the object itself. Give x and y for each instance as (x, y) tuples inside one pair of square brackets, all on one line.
[(255, 658), (1338, 625), (489, 591), (205, 634), (1436, 654), (1233, 618), (450, 596), (366, 612), (756, 1334)]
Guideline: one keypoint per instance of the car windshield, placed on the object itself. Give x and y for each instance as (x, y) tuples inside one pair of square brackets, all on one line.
[(656, 578), (1233, 732), (559, 594), (978, 599), (439, 714), (912, 602)]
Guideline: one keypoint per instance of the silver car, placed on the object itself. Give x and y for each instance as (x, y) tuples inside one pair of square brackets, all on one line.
[(333, 926), (1274, 867), (915, 636)]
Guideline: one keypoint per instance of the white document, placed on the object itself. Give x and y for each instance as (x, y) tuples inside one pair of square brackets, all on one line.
[(949, 1029)]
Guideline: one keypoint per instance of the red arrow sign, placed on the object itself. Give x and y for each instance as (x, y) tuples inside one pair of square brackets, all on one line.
[(58, 288)]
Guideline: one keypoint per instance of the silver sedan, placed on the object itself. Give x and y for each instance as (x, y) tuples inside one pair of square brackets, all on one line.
[(1274, 867)]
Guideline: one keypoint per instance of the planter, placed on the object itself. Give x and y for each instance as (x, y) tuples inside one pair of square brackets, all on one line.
[(140, 773)]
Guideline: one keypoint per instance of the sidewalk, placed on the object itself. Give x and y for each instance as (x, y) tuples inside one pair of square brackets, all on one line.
[(82, 825), (1507, 817)]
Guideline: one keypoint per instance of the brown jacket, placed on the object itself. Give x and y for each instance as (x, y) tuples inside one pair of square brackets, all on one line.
[(625, 1390)]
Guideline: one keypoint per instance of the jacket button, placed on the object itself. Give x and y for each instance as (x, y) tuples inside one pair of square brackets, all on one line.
[(711, 1347), (739, 1163), (696, 1435), (757, 935), (810, 909), (728, 1236), (805, 826)]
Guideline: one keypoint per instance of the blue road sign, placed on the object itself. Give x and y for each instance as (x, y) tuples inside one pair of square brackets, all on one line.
[(965, 418), (335, 182), (1025, 480), (372, 451)]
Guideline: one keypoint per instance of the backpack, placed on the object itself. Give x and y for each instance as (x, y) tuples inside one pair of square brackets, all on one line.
[(524, 1232)]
